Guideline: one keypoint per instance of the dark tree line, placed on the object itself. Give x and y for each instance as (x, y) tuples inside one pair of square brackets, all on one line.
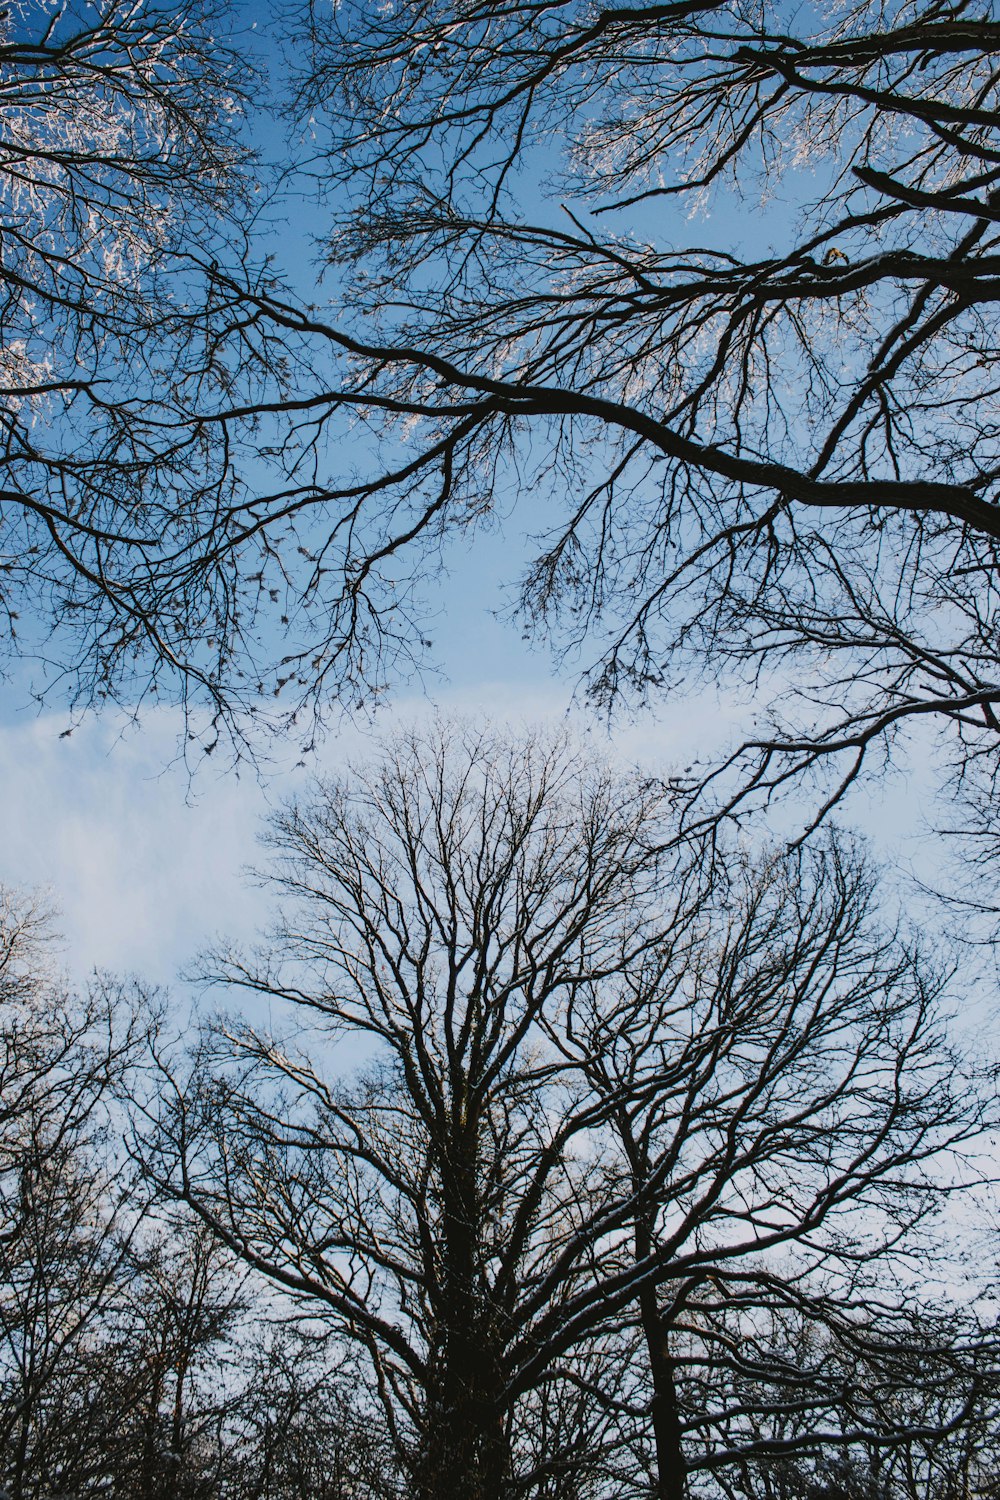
[(585, 1166), (136, 1359)]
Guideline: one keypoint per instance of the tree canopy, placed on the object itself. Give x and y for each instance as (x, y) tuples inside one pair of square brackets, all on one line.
[(121, 170), (711, 288), (703, 296), (761, 438)]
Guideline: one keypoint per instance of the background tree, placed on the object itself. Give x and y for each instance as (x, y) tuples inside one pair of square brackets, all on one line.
[(175, 1381), (598, 1079), (300, 1432), (137, 1358), (776, 1084), (69, 1210)]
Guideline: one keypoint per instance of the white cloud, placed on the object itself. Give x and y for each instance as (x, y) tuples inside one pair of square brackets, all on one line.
[(140, 870), (147, 865)]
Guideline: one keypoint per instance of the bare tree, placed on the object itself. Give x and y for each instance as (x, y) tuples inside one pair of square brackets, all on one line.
[(770, 447), (121, 173), (909, 1411), (172, 1385), (138, 1358), (772, 450), (598, 1079), (459, 897), (300, 1432), (777, 1086), (69, 1208)]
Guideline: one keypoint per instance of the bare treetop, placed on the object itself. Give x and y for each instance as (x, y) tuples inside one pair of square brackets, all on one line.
[(762, 442), (613, 1098), (120, 157), (766, 440)]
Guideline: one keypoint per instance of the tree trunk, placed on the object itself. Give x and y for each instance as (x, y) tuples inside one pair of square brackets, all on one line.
[(671, 1470), (465, 1452), (671, 1475)]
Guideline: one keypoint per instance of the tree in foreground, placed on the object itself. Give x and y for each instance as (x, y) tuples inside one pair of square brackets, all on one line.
[(766, 441), (772, 448), (121, 173), (613, 1114)]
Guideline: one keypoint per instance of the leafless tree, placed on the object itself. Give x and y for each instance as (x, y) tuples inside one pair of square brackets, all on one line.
[(777, 1086), (300, 1432), (139, 1360), (935, 1375), (770, 449), (69, 1209), (458, 899), (769, 445), (171, 1385), (596, 1079), (121, 172)]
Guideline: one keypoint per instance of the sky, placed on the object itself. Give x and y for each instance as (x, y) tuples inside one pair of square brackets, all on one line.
[(146, 865), (143, 859), (146, 862)]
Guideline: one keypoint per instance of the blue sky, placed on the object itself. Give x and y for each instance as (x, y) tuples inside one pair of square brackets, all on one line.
[(146, 864)]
